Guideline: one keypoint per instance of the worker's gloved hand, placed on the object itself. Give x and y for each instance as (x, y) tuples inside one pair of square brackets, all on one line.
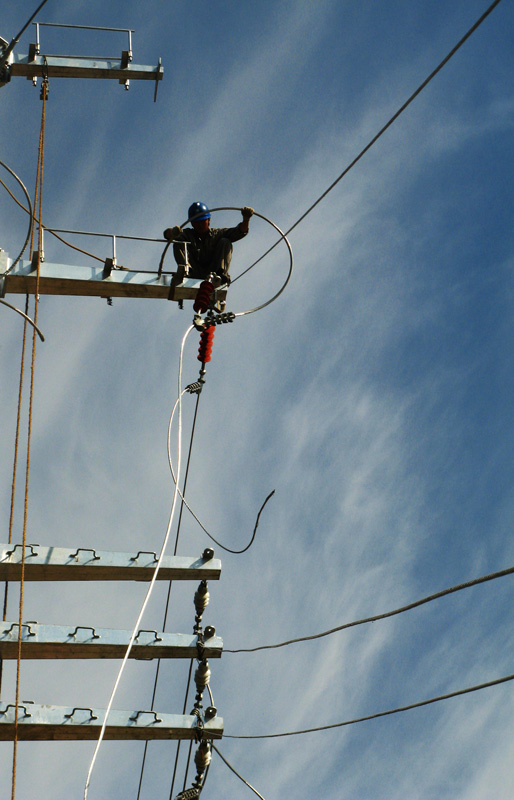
[(247, 212), (225, 278), (172, 233)]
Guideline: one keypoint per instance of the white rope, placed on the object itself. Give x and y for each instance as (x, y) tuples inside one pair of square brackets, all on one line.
[(156, 571)]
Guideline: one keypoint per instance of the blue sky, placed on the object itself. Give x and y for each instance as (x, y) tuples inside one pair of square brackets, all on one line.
[(374, 396)]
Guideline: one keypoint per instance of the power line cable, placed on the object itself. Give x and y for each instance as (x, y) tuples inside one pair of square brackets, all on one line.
[(156, 571), (236, 773), (202, 526), (381, 131), (178, 746), (5, 55), (177, 754), (244, 549), (484, 579), (157, 670), (457, 693), (26, 317), (30, 212)]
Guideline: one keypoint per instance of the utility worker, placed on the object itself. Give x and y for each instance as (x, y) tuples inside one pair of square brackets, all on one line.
[(208, 249)]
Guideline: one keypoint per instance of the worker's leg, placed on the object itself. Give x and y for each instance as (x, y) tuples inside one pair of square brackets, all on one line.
[(223, 256), (186, 260)]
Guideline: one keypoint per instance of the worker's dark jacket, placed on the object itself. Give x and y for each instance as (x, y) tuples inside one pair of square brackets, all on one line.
[(210, 253)]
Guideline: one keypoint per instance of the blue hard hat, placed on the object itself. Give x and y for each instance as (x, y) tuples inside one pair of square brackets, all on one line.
[(198, 209)]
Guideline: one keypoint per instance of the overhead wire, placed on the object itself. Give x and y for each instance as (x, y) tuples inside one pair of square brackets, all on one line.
[(235, 772), (284, 236), (170, 585), (177, 754), (55, 233), (244, 549), (25, 316), (382, 130), (202, 526), (379, 714), (429, 599), (154, 576), (14, 41), (30, 212), (50, 230), (190, 672)]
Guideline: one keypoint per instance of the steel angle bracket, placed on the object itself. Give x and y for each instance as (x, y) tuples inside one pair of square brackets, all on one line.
[(61, 723), (83, 563), (64, 67), (66, 641), (101, 281)]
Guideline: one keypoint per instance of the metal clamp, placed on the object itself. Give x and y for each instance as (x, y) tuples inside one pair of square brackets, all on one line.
[(32, 546), (84, 550), (81, 708), (144, 552), (85, 628), (23, 625), (12, 705), (138, 713), (146, 630)]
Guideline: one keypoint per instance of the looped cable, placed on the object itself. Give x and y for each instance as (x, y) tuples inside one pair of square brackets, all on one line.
[(29, 203), (291, 260), (25, 316)]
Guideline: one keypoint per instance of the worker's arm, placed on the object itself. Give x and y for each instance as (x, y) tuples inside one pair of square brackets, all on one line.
[(247, 212), (172, 234)]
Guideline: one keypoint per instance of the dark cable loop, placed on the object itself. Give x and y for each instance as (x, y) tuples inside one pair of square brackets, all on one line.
[(227, 549)]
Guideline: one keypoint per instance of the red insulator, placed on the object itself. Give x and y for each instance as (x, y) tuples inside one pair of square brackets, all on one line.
[(205, 349), (203, 297)]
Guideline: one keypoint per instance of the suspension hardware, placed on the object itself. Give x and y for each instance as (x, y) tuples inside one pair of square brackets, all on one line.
[(188, 794), (194, 388)]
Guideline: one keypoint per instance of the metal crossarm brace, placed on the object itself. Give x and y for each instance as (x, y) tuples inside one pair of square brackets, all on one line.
[(79, 564), (59, 641), (87, 281), (68, 67), (59, 723)]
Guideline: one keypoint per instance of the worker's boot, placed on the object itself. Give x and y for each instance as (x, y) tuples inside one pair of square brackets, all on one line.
[(177, 279)]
